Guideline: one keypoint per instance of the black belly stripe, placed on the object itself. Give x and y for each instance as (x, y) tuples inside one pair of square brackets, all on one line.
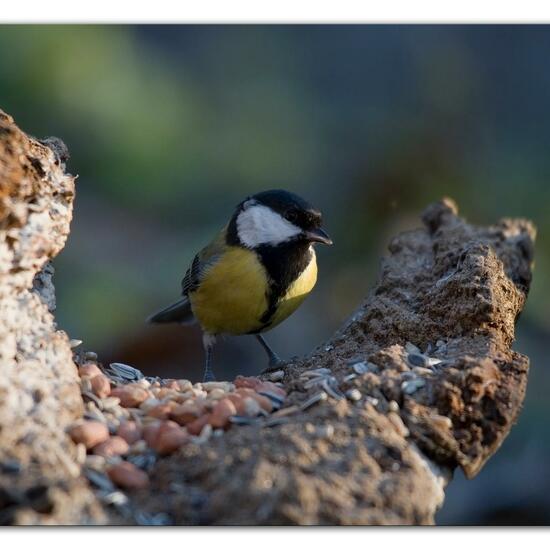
[(284, 264)]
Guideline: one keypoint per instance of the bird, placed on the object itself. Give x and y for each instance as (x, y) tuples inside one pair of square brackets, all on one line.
[(254, 274)]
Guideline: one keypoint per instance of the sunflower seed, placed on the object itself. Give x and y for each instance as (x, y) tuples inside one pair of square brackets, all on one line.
[(349, 377), (93, 398), (276, 421), (411, 348), (315, 372), (74, 343), (417, 360), (125, 371), (410, 386), (314, 382), (332, 391), (321, 396), (243, 420), (99, 480), (90, 356), (276, 400), (286, 411), (360, 367)]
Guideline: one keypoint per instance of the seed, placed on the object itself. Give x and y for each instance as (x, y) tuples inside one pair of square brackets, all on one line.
[(95, 462), (99, 479), (74, 343), (116, 498), (354, 394), (89, 369), (90, 356), (286, 411), (393, 406), (360, 368), (349, 377), (90, 433), (126, 475), (417, 360), (243, 420), (275, 399), (277, 375), (422, 371), (411, 348), (333, 392), (321, 396), (125, 371), (315, 372), (270, 422)]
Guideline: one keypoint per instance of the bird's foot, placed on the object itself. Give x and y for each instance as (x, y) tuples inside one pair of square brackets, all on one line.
[(208, 376)]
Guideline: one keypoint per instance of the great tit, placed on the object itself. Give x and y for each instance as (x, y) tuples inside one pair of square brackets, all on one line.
[(254, 274)]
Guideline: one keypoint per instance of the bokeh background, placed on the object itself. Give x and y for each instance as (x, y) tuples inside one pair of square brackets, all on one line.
[(169, 127)]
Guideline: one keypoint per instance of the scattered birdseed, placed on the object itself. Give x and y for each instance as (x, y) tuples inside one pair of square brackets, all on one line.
[(321, 396), (350, 377), (354, 394), (360, 367)]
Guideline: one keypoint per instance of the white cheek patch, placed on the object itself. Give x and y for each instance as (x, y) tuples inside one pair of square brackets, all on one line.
[(258, 225)]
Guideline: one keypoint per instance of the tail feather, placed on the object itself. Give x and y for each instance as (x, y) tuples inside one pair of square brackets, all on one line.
[(180, 312)]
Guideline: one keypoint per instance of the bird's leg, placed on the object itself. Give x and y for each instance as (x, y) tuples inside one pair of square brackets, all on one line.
[(274, 360), (208, 341)]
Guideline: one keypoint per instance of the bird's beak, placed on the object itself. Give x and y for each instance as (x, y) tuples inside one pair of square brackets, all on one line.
[(318, 236)]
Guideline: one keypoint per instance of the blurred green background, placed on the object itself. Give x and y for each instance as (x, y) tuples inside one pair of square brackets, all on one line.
[(169, 127)]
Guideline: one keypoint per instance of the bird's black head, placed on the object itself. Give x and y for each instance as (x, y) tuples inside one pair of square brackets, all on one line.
[(274, 217)]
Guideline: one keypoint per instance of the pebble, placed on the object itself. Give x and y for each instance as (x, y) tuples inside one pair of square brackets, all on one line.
[(101, 386), (114, 446), (354, 394), (90, 433), (129, 431), (130, 395), (128, 476)]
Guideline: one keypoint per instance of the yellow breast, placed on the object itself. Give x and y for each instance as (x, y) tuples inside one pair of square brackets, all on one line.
[(296, 293), (232, 296)]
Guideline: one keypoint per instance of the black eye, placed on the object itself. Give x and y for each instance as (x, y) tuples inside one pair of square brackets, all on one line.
[(291, 216)]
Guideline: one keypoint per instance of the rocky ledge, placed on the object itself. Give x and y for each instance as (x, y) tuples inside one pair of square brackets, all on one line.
[(367, 429)]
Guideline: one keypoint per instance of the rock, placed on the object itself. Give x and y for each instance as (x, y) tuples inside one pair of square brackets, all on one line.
[(90, 433), (114, 446), (126, 475), (129, 431), (221, 413), (130, 395), (101, 386)]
